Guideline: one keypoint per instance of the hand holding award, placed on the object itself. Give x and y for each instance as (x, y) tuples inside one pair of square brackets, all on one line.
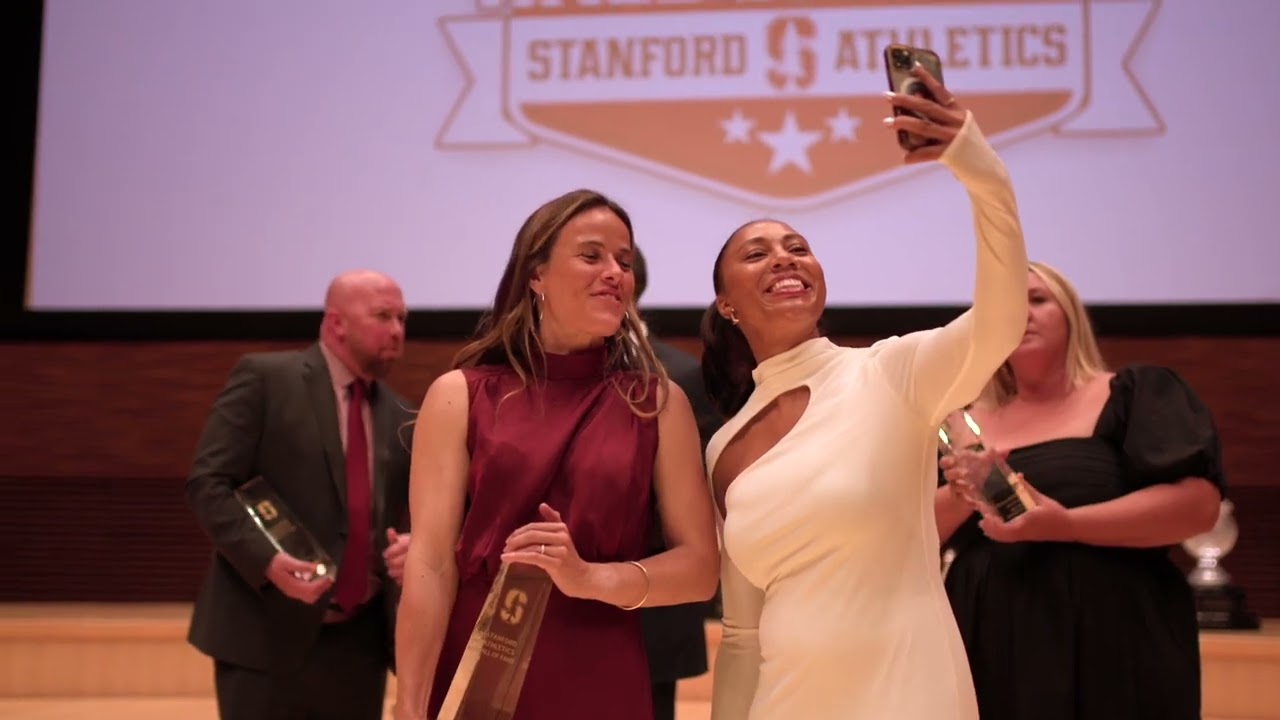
[(978, 473), (301, 569)]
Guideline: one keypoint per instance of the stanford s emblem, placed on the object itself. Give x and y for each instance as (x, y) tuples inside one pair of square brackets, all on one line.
[(513, 605), (769, 101)]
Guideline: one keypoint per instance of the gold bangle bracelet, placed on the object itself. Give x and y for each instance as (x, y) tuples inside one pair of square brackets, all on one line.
[(646, 587)]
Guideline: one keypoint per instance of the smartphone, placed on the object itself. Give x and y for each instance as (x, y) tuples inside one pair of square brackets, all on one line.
[(898, 61)]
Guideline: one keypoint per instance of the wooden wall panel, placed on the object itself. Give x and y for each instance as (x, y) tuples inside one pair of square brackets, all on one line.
[(96, 439)]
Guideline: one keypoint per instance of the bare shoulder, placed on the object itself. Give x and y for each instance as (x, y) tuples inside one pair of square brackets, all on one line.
[(447, 394), (672, 398), (675, 412), (451, 379)]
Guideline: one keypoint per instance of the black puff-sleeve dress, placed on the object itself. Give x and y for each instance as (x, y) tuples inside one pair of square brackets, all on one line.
[(1065, 631)]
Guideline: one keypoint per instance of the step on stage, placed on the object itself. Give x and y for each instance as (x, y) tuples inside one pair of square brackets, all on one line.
[(112, 662)]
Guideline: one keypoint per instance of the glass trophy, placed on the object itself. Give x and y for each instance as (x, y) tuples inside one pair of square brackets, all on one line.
[(281, 526), (1002, 492), (948, 557), (1219, 604), (491, 673)]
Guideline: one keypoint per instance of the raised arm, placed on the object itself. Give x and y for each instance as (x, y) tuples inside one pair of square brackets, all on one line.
[(945, 368), (437, 492), (224, 460), (737, 668)]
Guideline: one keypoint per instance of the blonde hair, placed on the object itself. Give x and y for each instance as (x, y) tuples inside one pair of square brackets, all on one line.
[(508, 333), (1084, 360)]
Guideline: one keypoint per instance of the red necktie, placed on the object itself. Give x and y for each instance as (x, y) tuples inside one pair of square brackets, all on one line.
[(353, 575)]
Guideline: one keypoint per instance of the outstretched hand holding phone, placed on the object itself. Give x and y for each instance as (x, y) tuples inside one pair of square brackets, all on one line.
[(926, 115)]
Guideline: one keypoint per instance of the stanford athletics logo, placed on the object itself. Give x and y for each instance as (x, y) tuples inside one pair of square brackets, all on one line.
[(778, 102)]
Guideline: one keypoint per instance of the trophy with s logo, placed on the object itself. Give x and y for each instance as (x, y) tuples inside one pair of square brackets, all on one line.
[(281, 526), (1002, 492), (491, 673)]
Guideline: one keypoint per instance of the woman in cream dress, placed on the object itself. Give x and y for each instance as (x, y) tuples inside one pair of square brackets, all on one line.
[(824, 474)]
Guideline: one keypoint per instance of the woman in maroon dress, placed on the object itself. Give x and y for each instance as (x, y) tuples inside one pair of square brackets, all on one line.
[(544, 448)]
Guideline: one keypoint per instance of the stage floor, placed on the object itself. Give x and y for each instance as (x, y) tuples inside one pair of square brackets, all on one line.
[(183, 708), (118, 662)]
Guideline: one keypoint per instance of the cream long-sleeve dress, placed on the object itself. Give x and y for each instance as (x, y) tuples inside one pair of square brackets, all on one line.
[(834, 607)]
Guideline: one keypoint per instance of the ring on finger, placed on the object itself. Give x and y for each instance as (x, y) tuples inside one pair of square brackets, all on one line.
[(542, 550)]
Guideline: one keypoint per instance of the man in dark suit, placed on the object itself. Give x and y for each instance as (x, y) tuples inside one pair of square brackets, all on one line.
[(675, 636), (320, 428)]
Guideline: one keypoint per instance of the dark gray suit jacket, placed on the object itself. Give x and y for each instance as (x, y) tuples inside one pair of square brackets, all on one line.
[(277, 418), (675, 637)]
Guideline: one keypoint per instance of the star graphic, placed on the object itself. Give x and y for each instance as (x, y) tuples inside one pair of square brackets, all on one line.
[(843, 126), (737, 129), (790, 145)]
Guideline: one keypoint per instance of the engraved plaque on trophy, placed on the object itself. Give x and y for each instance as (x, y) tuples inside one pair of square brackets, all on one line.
[(281, 526), (491, 673), (1002, 492), (1219, 604)]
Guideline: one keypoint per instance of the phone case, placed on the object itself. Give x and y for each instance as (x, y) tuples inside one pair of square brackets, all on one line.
[(898, 61)]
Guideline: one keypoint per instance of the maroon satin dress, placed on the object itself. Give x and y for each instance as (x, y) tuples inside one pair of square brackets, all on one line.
[(570, 440)]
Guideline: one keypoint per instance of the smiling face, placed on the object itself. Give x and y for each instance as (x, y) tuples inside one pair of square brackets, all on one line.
[(586, 285), (770, 282)]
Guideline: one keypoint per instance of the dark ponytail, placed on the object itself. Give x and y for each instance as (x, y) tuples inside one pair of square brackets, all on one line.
[(727, 363), (727, 360)]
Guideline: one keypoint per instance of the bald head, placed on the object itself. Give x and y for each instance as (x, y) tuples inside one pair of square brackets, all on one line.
[(353, 284), (363, 325)]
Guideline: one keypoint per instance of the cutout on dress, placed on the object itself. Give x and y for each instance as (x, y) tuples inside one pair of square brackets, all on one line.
[(757, 438)]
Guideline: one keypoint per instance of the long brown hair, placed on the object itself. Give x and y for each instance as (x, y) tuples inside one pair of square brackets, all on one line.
[(508, 334)]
